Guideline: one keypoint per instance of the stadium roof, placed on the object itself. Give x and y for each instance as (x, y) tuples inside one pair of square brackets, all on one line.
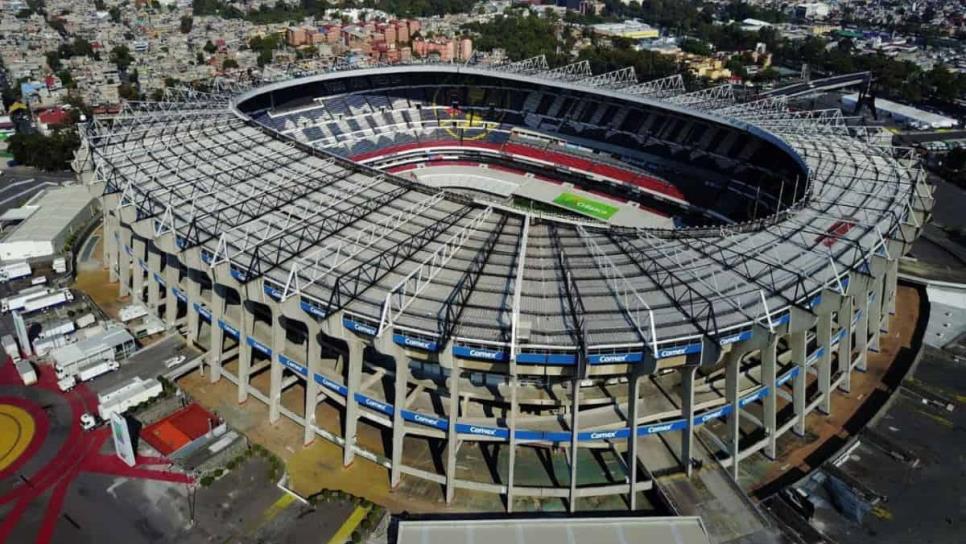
[(393, 255), (657, 530)]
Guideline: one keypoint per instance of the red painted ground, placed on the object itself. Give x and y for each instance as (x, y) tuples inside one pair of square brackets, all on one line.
[(80, 452), (175, 431)]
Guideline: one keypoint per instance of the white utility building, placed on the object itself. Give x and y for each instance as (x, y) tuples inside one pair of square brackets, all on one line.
[(58, 213), (903, 114)]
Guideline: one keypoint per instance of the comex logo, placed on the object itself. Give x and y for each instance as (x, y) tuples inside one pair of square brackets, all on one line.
[(674, 351), (416, 342), (483, 430), (363, 328), (711, 415), (484, 354), (375, 404), (419, 418), (603, 435), (617, 358), (659, 428)]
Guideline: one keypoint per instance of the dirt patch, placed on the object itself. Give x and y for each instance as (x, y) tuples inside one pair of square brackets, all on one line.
[(319, 465)]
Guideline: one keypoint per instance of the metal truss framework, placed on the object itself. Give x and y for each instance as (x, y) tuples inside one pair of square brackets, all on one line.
[(618, 79), (301, 224), (658, 88)]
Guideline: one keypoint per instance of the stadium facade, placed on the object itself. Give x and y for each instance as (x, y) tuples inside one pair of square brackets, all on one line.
[(280, 227)]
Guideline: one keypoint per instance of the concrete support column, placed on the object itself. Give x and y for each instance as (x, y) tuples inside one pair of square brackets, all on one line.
[(574, 442), (276, 369), (823, 338), (398, 422), (216, 348), (892, 284), (452, 441), (244, 353), (124, 261), (353, 377), (875, 312), (799, 358), (630, 458), (171, 274), (110, 245), (845, 343), (512, 429), (154, 286), (862, 328), (314, 365), (732, 375), (687, 412), (193, 294), (769, 360), (137, 283)]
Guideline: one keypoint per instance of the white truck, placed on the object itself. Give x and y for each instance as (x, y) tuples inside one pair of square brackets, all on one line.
[(60, 265), (57, 329), (132, 312), (49, 301), (85, 320), (39, 280), (14, 271), (66, 384), (18, 301), (27, 372), (91, 371), (10, 347), (124, 397)]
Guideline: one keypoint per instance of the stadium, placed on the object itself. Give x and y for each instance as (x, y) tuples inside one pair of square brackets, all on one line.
[(523, 281)]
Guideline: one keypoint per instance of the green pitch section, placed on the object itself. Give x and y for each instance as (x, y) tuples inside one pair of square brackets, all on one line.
[(586, 206)]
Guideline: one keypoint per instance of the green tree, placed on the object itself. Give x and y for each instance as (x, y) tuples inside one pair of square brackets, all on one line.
[(53, 60), (121, 56), (522, 36), (696, 47), (66, 79), (229, 63), (128, 91), (54, 152), (187, 22), (210, 47)]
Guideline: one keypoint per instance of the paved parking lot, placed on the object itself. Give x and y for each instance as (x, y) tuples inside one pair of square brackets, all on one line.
[(911, 458), (149, 362)]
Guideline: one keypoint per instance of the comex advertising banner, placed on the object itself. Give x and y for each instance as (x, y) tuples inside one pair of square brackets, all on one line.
[(122, 439)]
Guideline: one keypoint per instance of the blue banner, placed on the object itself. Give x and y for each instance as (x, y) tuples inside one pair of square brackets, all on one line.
[(615, 358), (410, 342), (374, 404), (231, 331), (292, 365), (331, 385), (356, 326), (480, 353), (259, 346)]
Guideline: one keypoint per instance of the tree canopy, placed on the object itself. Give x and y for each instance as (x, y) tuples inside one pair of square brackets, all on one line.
[(54, 152)]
